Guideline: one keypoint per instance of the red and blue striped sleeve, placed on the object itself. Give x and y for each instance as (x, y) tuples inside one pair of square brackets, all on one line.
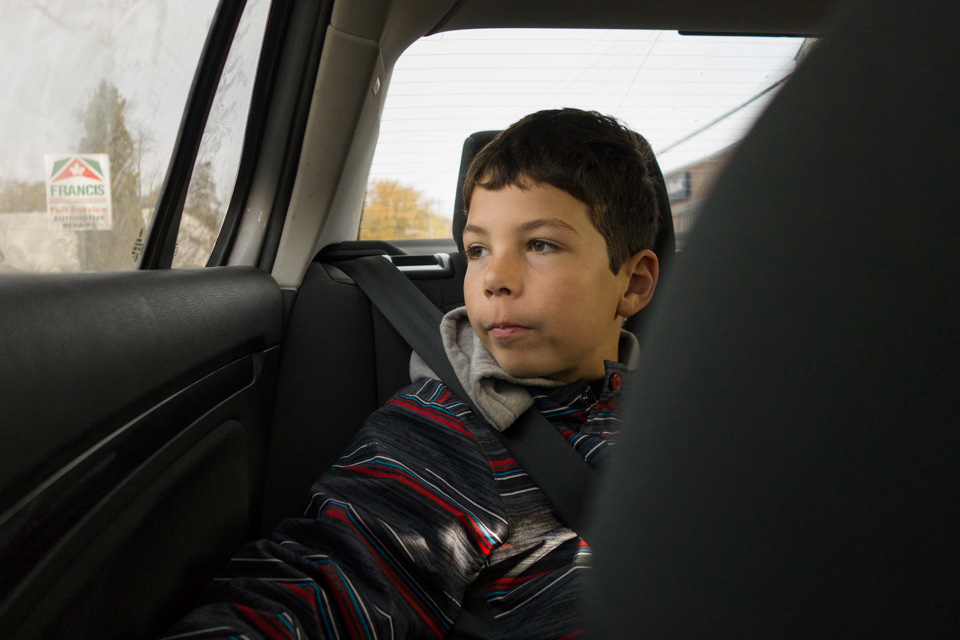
[(393, 535)]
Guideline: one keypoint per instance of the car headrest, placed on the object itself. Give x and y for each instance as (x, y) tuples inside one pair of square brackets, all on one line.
[(788, 463), (665, 244), (471, 146)]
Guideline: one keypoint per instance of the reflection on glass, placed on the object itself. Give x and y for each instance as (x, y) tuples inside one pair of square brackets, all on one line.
[(92, 100), (215, 171)]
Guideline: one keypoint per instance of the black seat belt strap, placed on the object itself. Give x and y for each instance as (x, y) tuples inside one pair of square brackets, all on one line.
[(559, 471)]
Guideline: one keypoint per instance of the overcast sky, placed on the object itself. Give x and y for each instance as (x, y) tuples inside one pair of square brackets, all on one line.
[(660, 83), (56, 52)]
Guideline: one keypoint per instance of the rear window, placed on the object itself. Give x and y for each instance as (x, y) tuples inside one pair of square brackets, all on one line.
[(692, 97)]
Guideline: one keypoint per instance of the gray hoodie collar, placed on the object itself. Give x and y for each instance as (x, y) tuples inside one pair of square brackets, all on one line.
[(500, 396)]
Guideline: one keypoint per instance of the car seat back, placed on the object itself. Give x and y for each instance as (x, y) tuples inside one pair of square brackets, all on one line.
[(788, 465), (341, 361)]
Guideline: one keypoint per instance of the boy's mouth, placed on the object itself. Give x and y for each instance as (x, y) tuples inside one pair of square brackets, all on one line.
[(505, 330)]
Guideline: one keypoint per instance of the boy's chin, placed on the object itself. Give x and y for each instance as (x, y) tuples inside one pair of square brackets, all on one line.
[(525, 372), (519, 367), (525, 369), (535, 363)]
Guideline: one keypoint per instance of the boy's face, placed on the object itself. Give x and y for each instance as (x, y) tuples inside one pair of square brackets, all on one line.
[(538, 288)]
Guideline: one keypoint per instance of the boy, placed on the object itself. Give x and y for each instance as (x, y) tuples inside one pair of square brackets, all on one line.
[(426, 510)]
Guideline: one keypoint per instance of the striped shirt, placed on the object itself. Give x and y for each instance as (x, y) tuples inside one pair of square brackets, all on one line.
[(424, 502)]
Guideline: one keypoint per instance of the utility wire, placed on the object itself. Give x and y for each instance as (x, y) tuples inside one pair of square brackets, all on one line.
[(697, 132)]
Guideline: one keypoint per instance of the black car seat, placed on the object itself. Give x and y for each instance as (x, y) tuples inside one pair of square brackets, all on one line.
[(342, 360), (790, 461)]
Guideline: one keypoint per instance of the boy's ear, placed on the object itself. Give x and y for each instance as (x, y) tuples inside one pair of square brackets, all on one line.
[(643, 271)]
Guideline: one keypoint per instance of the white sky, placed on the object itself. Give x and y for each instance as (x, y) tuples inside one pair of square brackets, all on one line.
[(660, 83), (54, 53)]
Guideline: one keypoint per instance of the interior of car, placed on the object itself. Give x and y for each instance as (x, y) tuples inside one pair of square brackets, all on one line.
[(793, 470)]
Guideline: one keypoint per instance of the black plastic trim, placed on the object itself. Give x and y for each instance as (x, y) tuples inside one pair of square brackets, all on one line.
[(162, 239), (84, 354), (355, 249), (428, 265), (746, 34), (454, 10), (416, 266), (32, 526), (271, 50)]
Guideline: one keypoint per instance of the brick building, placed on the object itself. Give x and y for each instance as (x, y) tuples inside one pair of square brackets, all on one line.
[(688, 186)]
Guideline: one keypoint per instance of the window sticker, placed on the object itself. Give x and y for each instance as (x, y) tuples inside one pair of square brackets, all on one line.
[(78, 192)]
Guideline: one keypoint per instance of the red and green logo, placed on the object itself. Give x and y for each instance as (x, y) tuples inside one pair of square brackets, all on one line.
[(77, 177), (76, 167), (78, 192)]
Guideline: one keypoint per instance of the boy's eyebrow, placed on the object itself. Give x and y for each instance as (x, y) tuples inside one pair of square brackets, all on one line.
[(539, 223), (551, 223)]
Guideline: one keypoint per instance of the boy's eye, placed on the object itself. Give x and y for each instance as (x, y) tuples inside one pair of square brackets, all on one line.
[(542, 246), (475, 251)]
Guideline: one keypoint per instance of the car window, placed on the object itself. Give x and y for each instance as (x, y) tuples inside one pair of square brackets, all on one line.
[(92, 102), (218, 160), (692, 97)]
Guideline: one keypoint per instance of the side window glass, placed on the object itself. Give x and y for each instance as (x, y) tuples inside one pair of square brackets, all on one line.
[(218, 160), (92, 101), (692, 97)]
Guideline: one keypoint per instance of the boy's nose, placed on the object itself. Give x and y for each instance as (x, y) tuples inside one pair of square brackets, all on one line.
[(501, 277)]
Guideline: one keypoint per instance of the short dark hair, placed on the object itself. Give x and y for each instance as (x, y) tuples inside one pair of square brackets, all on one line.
[(592, 157)]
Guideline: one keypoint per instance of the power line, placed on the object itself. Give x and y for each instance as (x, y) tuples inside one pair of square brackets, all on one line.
[(697, 132)]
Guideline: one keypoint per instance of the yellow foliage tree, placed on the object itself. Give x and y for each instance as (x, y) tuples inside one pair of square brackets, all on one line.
[(393, 211)]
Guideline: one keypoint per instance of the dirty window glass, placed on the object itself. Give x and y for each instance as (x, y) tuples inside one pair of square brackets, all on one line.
[(92, 99), (692, 97), (215, 171)]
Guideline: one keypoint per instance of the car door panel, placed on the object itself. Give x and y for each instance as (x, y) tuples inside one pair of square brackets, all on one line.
[(137, 408)]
